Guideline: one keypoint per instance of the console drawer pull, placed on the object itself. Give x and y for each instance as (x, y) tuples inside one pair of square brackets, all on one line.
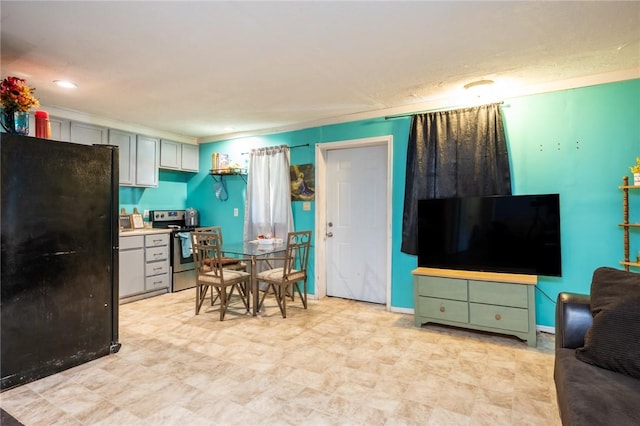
[(442, 309), (498, 317)]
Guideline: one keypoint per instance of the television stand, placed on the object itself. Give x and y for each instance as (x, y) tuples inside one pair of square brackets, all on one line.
[(487, 301)]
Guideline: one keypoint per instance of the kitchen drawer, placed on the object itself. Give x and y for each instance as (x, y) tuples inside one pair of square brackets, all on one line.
[(127, 243), (493, 293), (157, 253), (443, 309), (443, 288), (156, 240), (157, 282), (157, 268), (505, 318)]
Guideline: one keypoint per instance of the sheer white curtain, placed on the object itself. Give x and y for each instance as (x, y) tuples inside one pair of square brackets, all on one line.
[(268, 208)]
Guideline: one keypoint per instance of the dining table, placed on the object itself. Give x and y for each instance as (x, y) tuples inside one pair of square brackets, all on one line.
[(254, 251)]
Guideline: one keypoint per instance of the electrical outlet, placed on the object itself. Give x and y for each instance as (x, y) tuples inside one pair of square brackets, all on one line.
[(306, 206), (235, 211)]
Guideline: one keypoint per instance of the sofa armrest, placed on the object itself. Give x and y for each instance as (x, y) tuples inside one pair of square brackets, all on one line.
[(573, 319)]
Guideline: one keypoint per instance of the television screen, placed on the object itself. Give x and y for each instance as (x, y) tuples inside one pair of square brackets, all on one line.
[(509, 234)]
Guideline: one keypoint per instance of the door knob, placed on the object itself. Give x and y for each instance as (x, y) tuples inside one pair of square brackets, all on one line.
[(329, 234)]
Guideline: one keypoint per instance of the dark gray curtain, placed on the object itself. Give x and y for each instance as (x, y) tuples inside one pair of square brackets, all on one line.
[(453, 154)]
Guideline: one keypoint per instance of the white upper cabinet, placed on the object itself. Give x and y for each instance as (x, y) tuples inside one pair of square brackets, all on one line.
[(138, 158), (170, 154), (139, 155), (147, 161), (178, 156), (88, 134), (126, 143), (190, 158), (60, 129)]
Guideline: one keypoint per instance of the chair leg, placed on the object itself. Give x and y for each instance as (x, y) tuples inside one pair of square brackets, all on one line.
[(264, 295), (201, 293), (291, 292), (303, 295), (281, 298), (223, 301), (242, 292)]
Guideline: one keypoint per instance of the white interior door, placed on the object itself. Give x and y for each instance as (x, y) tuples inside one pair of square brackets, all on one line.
[(356, 223)]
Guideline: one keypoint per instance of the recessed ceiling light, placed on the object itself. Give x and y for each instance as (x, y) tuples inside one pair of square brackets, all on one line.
[(65, 84)]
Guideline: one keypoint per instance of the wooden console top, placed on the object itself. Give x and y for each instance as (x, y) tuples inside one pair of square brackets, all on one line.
[(477, 275)]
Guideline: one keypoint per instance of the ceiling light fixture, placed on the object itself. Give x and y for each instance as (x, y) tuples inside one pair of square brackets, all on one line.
[(479, 89), (66, 84), (479, 83)]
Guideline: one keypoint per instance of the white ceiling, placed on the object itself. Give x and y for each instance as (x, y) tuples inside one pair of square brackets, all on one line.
[(192, 69)]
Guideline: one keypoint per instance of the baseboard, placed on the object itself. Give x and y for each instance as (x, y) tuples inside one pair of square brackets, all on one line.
[(397, 310), (546, 329)]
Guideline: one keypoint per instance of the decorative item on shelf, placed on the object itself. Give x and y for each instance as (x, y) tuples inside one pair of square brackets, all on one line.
[(43, 126), (635, 169), (17, 99)]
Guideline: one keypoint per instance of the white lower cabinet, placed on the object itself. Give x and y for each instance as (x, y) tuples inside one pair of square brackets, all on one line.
[(157, 271), (144, 266), (131, 259)]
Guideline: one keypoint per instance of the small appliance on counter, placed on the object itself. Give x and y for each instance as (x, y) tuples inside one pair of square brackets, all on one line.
[(191, 218)]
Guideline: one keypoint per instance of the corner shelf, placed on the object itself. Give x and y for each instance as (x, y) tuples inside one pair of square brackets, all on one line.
[(626, 226), (219, 174)]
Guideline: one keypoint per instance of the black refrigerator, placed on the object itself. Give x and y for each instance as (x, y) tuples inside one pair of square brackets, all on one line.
[(59, 276)]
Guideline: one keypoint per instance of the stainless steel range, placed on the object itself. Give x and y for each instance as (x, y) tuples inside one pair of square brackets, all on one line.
[(181, 258)]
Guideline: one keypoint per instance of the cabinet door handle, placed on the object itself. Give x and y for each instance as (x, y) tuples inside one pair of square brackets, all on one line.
[(442, 309), (498, 317)]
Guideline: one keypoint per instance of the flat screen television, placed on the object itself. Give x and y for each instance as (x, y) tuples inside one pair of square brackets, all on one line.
[(509, 234)]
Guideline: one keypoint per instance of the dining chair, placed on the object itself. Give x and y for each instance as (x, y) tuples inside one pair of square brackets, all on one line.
[(293, 271), (210, 273), (227, 262)]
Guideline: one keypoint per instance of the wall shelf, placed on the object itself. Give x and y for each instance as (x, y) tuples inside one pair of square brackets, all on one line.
[(627, 226), (219, 174)]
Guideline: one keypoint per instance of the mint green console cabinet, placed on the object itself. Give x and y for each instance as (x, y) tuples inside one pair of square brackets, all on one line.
[(493, 302)]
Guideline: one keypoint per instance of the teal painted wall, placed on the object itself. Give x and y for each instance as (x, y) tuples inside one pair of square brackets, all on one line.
[(578, 143), (170, 194)]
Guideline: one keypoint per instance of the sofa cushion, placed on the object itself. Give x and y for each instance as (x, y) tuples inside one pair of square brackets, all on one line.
[(589, 395), (613, 340)]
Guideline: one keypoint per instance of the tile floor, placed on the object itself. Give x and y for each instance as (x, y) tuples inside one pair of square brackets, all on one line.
[(338, 363)]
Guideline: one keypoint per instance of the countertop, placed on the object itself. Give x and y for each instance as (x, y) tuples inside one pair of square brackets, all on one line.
[(145, 231)]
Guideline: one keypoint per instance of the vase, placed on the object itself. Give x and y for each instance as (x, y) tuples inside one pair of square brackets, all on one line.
[(7, 121), (21, 123), (15, 122), (636, 179)]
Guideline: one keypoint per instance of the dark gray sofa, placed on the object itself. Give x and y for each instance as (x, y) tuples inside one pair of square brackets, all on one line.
[(588, 395)]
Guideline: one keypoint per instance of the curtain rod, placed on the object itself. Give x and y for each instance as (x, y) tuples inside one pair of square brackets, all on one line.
[(291, 147), (389, 117)]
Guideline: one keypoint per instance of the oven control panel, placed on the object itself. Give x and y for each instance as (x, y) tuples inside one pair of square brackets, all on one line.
[(167, 215)]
